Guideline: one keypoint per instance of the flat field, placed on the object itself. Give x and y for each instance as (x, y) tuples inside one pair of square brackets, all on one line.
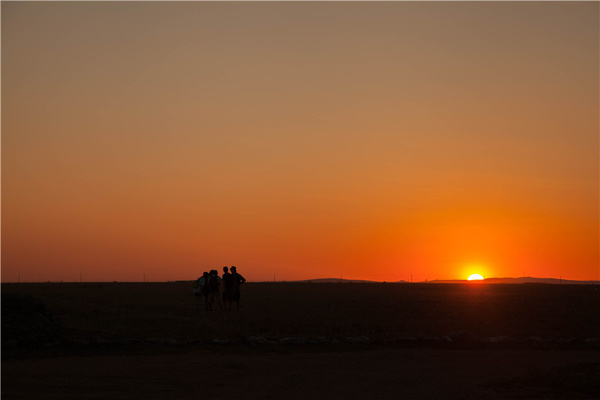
[(293, 340)]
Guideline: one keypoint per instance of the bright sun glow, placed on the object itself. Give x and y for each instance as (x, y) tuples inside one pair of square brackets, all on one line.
[(475, 277)]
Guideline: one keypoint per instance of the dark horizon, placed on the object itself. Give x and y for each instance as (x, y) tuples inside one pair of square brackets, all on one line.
[(493, 280)]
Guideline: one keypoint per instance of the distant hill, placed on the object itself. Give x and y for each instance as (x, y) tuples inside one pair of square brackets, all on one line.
[(528, 279), (525, 279), (334, 280)]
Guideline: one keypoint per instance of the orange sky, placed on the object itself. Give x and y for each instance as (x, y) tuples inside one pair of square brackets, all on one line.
[(307, 140)]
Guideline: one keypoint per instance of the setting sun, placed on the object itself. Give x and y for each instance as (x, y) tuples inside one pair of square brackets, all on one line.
[(475, 277)]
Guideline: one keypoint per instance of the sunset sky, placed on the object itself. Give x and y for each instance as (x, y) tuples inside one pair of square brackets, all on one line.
[(306, 140)]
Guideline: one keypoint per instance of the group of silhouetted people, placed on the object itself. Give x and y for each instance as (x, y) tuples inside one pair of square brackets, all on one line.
[(223, 290)]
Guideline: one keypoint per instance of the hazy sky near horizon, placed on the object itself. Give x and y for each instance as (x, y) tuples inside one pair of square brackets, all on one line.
[(307, 140)]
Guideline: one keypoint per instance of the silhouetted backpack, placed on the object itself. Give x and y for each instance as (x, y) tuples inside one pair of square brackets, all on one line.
[(213, 284)]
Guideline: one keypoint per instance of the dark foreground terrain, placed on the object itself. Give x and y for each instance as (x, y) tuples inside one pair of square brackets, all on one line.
[(459, 341)]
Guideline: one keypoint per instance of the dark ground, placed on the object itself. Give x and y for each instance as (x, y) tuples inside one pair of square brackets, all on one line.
[(375, 373), (125, 340)]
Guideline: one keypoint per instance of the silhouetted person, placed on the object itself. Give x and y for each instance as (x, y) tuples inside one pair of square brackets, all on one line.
[(212, 288), (228, 288), (205, 277), (238, 280), (218, 294), (199, 288)]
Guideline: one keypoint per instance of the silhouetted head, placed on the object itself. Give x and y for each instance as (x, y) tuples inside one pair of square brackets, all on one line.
[(213, 272), (233, 269), (225, 269), (205, 274)]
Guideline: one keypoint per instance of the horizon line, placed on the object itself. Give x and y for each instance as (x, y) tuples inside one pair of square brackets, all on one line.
[(340, 280)]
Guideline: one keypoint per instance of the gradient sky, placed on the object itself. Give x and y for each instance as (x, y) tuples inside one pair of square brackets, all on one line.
[(306, 140)]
